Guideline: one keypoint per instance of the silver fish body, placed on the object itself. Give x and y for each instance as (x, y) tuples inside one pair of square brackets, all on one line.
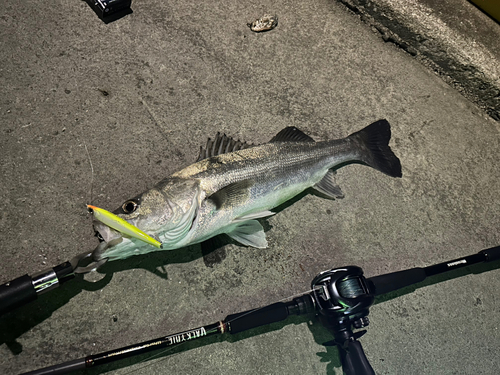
[(235, 184)]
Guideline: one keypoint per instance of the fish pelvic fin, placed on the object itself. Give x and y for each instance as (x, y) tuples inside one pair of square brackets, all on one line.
[(374, 141), (252, 216), (249, 233)]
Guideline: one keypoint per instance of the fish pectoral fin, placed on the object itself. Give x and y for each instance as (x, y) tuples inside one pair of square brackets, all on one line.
[(328, 187), (249, 233), (291, 134), (233, 194), (255, 215)]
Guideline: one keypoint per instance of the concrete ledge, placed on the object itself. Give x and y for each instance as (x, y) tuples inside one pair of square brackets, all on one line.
[(452, 37)]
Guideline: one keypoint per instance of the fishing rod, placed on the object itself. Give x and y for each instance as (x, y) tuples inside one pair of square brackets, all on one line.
[(340, 297)]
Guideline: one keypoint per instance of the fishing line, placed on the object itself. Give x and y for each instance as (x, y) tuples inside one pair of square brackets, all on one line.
[(92, 173), (79, 97), (164, 351)]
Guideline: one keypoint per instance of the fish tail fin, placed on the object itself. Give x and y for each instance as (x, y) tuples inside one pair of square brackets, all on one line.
[(374, 141)]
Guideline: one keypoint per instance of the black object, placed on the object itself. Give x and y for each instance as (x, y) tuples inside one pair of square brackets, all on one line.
[(110, 10), (397, 280), (26, 288), (341, 298)]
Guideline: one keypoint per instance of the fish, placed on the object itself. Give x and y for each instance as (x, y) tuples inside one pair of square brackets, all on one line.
[(233, 184)]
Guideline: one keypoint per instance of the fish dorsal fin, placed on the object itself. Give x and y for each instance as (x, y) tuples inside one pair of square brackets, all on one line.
[(222, 144), (291, 134)]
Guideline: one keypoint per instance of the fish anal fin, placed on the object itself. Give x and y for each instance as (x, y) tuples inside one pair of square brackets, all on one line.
[(233, 194), (328, 187), (291, 134), (249, 233), (222, 144)]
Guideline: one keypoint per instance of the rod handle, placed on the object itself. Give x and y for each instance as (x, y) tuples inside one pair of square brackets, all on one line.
[(63, 368), (16, 293), (243, 321), (354, 361), (397, 280)]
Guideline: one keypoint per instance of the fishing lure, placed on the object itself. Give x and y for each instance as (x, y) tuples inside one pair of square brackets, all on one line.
[(122, 226)]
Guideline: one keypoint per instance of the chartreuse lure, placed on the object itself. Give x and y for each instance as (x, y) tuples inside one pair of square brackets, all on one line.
[(122, 226)]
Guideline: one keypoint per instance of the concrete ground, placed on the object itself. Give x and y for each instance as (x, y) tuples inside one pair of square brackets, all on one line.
[(140, 95), (452, 37)]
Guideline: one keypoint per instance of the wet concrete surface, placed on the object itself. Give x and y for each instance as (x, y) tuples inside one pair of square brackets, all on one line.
[(137, 97)]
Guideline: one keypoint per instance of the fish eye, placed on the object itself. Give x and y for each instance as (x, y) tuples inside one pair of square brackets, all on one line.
[(129, 206)]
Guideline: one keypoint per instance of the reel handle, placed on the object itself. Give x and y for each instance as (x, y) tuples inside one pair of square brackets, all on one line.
[(354, 361)]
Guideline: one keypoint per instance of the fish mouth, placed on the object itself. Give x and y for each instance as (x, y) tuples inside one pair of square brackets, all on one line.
[(116, 227), (107, 237), (105, 233)]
